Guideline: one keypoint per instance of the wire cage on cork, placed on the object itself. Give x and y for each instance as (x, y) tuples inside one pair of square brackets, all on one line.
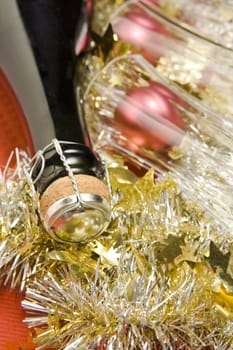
[(73, 189)]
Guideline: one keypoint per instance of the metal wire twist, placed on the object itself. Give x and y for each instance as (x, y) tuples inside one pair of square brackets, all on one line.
[(69, 172)]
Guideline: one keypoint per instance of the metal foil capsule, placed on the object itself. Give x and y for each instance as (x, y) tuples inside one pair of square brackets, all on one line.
[(74, 191)]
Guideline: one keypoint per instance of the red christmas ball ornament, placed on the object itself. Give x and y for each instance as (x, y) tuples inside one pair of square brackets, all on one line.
[(167, 93), (146, 21), (148, 117), (141, 30), (151, 3)]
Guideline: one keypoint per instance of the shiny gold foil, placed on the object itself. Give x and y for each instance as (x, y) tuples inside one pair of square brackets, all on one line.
[(102, 10)]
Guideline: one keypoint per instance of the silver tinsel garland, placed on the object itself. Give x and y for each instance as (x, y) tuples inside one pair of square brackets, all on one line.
[(149, 282)]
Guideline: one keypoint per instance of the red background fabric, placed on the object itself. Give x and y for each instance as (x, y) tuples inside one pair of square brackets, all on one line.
[(13, 332)]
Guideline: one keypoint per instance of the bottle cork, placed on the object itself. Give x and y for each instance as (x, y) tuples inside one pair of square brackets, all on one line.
[(63, 187)]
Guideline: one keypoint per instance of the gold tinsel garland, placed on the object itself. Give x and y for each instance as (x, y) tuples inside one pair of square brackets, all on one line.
[(150, 281)]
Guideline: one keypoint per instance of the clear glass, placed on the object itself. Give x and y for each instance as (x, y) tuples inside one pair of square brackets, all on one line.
[(177, 135), (196, 63), (211, 19)]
